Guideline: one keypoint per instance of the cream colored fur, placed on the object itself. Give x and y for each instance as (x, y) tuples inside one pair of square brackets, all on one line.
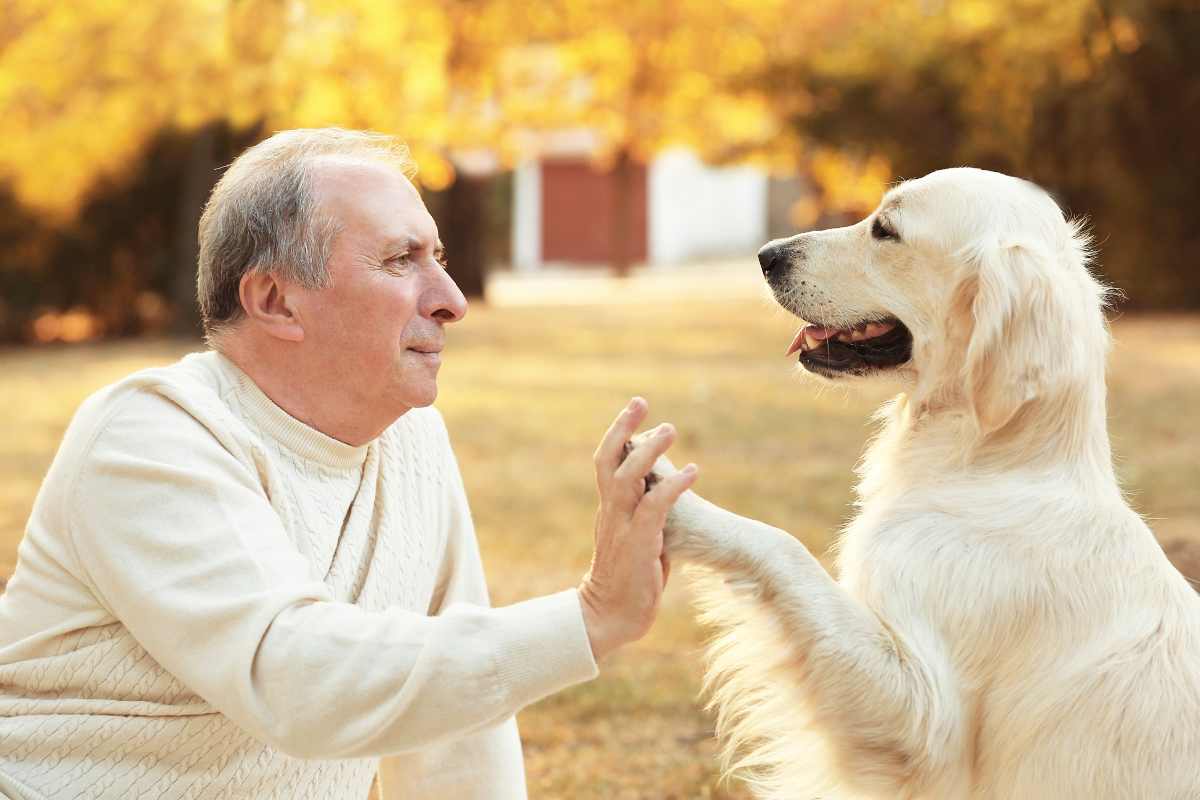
[(1003, 625)]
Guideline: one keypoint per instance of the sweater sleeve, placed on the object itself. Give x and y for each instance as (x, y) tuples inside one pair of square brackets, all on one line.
[(177, 539), (487, 764)]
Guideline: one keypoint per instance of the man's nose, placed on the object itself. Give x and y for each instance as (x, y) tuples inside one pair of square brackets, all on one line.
[(449, 303), (770, 258)]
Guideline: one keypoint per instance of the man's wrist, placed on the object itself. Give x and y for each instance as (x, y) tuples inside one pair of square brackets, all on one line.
[(599, 631)]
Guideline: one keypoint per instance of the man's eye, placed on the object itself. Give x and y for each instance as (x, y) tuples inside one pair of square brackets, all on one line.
[(881, 231)]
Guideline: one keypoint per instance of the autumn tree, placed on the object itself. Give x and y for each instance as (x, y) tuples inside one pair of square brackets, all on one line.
[(1098, 100), (1076, 94), (87, 87)]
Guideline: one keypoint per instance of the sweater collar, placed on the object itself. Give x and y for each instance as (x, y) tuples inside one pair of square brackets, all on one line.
[(296, 436)]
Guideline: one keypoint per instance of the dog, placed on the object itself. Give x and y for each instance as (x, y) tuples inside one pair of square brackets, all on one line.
[(1004, 626)]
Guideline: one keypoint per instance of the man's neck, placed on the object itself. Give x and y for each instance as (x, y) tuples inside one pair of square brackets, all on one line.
[(302, 389)]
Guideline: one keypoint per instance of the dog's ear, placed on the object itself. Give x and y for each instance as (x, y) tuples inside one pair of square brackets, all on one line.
[(1017, 337)]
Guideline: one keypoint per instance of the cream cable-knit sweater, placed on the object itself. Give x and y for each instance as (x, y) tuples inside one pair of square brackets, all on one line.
[(213, 600)]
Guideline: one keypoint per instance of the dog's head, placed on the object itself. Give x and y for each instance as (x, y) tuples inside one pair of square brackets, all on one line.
[(968, 284)]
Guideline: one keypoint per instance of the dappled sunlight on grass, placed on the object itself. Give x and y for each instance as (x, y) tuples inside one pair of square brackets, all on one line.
[(528, 387)]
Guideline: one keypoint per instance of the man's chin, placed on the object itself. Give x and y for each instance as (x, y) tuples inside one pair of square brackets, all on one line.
[(422, 397), (415, 382)]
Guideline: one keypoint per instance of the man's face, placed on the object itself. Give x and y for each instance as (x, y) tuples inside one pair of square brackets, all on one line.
[(378, 329)]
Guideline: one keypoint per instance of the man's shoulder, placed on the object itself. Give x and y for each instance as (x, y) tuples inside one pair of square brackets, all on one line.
[(195, 375), (186, 394), (164, 414)]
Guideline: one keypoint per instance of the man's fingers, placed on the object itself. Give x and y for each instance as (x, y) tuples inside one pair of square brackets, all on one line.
[(608, 454), (646, 451)]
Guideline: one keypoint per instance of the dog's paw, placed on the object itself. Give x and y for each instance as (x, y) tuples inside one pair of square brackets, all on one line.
[(684, 534), (651, 478), (662, 466)]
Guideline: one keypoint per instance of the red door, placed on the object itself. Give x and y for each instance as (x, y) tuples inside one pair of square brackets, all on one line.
[(587, 218)]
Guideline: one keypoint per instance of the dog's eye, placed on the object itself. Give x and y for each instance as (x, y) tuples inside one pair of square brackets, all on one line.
[(881, 231)]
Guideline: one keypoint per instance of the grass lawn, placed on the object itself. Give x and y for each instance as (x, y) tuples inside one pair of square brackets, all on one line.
[(529, 384)]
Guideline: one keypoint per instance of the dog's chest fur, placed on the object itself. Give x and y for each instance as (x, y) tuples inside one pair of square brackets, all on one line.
[(985, 584)]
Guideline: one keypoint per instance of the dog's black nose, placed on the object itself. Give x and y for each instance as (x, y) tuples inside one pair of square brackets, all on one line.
[(770, 257)]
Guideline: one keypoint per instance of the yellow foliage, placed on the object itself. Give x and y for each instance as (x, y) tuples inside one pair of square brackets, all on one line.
[(849, 185), (75, 325), (83, 84), (805, 212), (1125, 34)]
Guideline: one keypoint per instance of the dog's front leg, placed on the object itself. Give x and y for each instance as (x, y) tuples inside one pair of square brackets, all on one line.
[(884, 701)]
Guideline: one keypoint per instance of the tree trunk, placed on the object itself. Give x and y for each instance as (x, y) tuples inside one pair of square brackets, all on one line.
[(463, 226), (623, 175), (199, 177)]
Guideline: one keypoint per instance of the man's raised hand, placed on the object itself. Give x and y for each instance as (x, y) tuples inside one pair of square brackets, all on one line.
[(622, 590)]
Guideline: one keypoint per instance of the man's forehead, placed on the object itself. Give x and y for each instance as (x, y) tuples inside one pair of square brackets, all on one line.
[(336, 175), (375, 196)]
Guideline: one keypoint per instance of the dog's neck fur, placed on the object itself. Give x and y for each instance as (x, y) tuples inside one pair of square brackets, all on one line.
[(1062, 433)]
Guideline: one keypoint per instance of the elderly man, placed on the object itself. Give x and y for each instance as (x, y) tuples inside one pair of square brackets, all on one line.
[(253, 573)]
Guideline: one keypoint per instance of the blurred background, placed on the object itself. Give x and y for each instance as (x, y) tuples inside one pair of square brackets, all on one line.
[(602, 175)]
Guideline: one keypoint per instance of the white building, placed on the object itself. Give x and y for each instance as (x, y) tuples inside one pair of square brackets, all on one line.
[(678, 209)]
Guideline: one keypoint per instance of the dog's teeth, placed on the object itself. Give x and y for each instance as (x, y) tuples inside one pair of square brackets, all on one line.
[(810, 342), (877, 329), (858, 335)]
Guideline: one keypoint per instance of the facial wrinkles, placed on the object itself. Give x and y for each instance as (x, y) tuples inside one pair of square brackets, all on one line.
[(389, 253), (369, 262)]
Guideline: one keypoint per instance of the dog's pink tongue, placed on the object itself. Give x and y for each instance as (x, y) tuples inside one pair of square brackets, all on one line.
[(817, 332), (820, 332)]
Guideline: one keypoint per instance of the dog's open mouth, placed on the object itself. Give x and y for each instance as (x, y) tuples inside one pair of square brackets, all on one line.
[(866, 347)]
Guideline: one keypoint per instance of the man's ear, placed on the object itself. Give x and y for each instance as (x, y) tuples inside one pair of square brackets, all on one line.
[(269, 303)]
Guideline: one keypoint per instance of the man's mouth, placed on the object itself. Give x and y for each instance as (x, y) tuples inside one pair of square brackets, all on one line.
[(429, 354), (869, 346)]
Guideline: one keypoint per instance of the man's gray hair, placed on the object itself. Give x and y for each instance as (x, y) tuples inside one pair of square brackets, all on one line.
[(263, 215)]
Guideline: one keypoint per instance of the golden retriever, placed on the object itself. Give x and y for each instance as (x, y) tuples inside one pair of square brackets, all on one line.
[(1003, 626)]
